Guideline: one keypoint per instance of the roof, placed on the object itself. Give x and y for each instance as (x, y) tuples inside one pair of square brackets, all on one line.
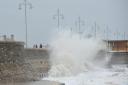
[(118, 51), (115, 40)]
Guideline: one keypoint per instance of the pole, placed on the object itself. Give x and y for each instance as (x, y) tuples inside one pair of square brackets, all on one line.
[(95, 30), (117, 34), (107, 32), (58, 16), (26, 25), (71, 30), (124, 35), (25, 4), (80, 23), (104, 34)]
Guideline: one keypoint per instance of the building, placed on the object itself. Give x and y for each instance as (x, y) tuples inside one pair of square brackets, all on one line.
[(118, 50), (117, 45)]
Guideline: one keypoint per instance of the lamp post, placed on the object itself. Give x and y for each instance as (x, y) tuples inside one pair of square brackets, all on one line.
[(79, 22), (25, 4), (58, 16)]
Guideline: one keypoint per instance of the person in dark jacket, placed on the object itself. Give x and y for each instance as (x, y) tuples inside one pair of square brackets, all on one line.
[(41, 46)]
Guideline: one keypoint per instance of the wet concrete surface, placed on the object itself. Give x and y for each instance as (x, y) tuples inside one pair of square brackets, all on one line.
[(43, 82)]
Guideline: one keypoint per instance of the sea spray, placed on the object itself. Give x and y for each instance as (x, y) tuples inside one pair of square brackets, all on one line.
[(75, 60), (73, 54)]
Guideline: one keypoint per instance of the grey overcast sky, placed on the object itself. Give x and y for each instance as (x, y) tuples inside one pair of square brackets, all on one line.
[(113, 13)]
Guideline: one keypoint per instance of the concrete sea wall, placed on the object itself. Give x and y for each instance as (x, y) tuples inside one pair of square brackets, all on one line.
[(119, 58), (20, 64), (39, 60)]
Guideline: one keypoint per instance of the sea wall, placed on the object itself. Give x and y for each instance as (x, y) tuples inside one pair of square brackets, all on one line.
[(39, 60), (12, 62), (20, 64), (119, 58), (11, 52)]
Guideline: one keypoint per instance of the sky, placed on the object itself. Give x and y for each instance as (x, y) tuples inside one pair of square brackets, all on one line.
[(111, 13)]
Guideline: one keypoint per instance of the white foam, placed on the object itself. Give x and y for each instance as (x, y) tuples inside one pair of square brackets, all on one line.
[(72, 62), (99, 77)]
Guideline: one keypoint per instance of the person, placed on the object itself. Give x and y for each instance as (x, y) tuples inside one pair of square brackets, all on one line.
[(40, 45), (36, 46)]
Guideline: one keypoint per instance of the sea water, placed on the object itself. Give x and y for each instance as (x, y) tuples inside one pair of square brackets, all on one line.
[(73, 62)]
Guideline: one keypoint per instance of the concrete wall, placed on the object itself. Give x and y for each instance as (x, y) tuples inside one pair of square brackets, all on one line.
[(11, 52), (21, 64), (119, 58), (39, 60), (36, 53), (12, 62)]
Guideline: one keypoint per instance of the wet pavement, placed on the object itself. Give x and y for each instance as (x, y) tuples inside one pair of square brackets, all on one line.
[(43, 82)]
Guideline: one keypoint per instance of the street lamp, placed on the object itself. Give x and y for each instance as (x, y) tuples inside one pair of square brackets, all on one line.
[(25, 4), (58, 16)]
